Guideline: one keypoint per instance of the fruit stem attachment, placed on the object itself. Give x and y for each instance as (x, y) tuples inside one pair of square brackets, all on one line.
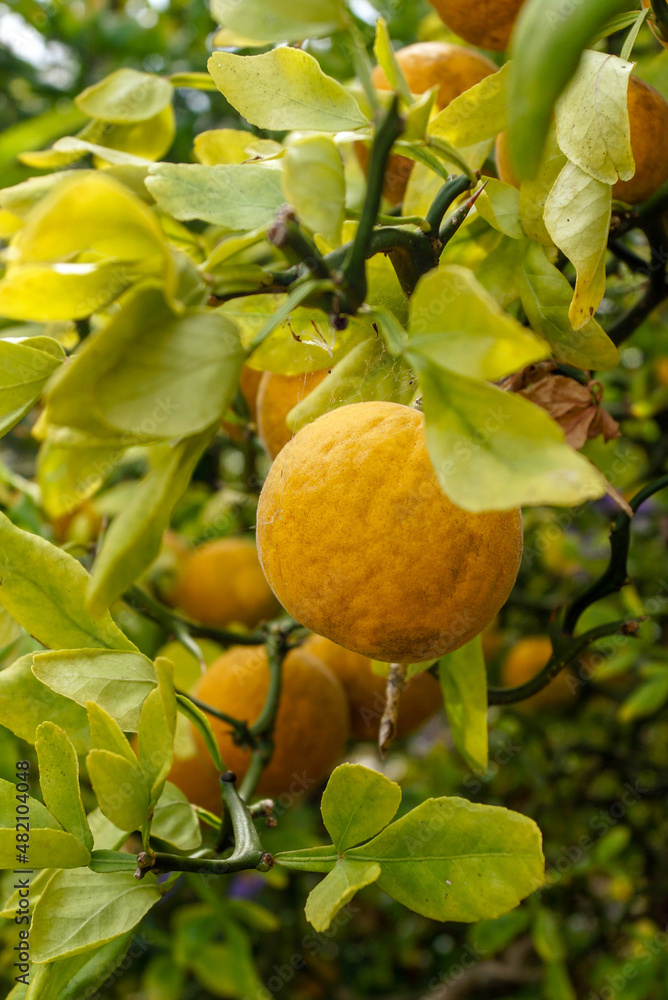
[(388, 723), (353, 271)]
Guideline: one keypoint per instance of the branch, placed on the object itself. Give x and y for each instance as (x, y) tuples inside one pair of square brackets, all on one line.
[(147, 605), (263, 727)]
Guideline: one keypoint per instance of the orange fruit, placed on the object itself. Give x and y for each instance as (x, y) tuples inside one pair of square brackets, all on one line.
[(648, 115), (276, 397), (222, 582), (360, 544), (452, 68), (524, 661), (487, 23), (420, 699), (312, 725), (504, 166)]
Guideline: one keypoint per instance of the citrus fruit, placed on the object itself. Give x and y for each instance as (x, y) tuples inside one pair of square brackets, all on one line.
[(452, 68), (221, 582), (487, 23), (524, 661), (420, 698), (359, 543), (276, 397), (504, 166), (312, 725), (648, 115)]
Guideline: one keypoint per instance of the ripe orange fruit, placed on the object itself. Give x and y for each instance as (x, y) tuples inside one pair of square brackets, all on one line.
[(524, 661), (452, 68), (312, 725), (487, 23), (276, 397), (222, 582), (360, 544), (648, 115), (420, 699)]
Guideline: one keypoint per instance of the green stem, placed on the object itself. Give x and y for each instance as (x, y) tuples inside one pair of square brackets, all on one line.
[(143, 602), (301, 250), (241, 728), (444, 199), (657, 287)]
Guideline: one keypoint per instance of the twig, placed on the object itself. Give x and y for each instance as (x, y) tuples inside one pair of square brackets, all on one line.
[(142, 601)]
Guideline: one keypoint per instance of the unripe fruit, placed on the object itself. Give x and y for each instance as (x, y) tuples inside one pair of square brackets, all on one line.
[(452, 68), (276, 397), (221, 582), (312, 725), (420, 698), (524, 661), (360, 544), (487, 23)]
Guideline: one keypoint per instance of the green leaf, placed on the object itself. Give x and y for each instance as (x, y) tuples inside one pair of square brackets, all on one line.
[(393, 333), (500, 271), (235, 196), (384, 53), (24, 370), (311, 859), (463, 681), (44, 589), (357, 803), (499, 205), (366, 373), (68, 475), (120, 787), (479, 113), (106, 734), (534, 193), (450, 859), (492, 936), (81, 910), (157, 724), (25, 703), (117, 681), (175, 821), (547, 43), (457, 325), (39, 815), (647, 699), (134, 538), (546, 296), (592, 117), (546, 936), (493, 450), (577, 217), (112, 861), (282, 21), (201, 722), (314, 184), (74, 978), (37, 885), (285, 89), (337, 889), (47, 849), (59, 781), (126, 96), (107, 836)]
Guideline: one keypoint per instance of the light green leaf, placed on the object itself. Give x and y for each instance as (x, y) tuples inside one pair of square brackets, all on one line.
[(493, 450), (592, 118), (40, 817), (577, 217), (69, 474), (546, 296), (357, 803), (107, 836), (10, 630), (82, 910), (25, 703), (47, 849), (384, 53), (391, 329), (499, 205), (134, 538), (24, 370), (279, 20), (74, 978), (235, 196), (112, 861), (534, 193), (464, 684), (500, 270), (157, 724), (37, 885), (117, 681), (201, 722), (450, 859), (72, 144), (314, 184), (366, 373), (120, 787), (175, 821), (481, 112), (44, 589), (546, 936), (285, 89), (106, 734), (337, 889), (456, 324), (647, 698), (126, 95), (311, 859), (59, 781)]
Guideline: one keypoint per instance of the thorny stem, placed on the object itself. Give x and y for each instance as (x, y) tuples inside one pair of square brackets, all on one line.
[(143, 602)]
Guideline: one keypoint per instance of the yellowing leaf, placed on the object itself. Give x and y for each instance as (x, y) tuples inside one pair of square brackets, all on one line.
[(534, 193), (278, 20), (313, 183), (577, 217), (24, 370), (231, 145), (126, 95), (592, 118), (499, 205), (285, 89), (464, 684), (479, 113)]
